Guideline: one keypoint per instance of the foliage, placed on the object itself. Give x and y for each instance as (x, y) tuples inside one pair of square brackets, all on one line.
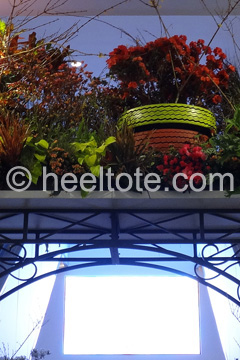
[(170, 70), (126, 156), (90, 154), (37, 82), (33, 156), (227, 143), (13, 134), (225, 158), (102, 105), (61, 116)]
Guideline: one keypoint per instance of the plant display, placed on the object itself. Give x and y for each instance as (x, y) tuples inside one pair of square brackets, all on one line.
[(55, 115), (170, 70), (38, 84)]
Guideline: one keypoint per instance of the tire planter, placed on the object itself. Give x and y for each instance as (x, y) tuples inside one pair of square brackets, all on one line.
[(165, 125)]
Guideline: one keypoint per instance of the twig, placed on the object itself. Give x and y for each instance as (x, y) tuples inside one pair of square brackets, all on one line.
[(34, 328)]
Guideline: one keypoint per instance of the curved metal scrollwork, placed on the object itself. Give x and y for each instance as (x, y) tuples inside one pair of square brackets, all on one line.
[(211, 262), (14, 258)]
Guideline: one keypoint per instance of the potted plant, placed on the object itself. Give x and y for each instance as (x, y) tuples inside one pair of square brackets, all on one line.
[(170, 86)]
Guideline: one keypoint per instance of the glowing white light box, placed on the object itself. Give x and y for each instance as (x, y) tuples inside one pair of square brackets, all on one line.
[(131, 315)]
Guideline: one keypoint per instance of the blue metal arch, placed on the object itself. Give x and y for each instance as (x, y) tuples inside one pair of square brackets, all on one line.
[(149, 231)]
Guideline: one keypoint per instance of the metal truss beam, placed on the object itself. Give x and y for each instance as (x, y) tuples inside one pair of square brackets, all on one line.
[(201, 244)]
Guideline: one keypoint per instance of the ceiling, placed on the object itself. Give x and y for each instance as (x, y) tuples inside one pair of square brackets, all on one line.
[(117, 7)]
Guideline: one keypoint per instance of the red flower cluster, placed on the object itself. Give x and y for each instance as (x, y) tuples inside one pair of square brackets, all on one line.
[(189, 160), (169, 68)]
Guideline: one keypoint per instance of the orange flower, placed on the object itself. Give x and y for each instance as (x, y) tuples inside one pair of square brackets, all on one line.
[(132, 85), (231, 68), (138, 58)]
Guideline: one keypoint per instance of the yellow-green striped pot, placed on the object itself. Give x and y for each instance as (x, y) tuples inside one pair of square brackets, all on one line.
[(166, 125)]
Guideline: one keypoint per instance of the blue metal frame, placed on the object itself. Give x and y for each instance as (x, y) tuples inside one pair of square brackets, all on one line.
[(153, 232)]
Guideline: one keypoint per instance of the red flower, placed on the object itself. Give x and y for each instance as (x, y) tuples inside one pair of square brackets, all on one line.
[(185, 149), (183, 164), (165, 171), (218, 51), (165, 159), (160, 167), (217, 99), (132, 85), (197, 180)]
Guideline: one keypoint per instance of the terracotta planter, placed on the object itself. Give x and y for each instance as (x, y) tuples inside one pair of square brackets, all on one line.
[(165, 125)]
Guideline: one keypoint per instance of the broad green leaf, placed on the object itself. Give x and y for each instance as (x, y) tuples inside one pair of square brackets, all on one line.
[(78, 146), (95, 170), (29, 139), (101, 149), (110, 140), (43, 143), (90, 160), (81, 159), (39, 157), (36, 172)]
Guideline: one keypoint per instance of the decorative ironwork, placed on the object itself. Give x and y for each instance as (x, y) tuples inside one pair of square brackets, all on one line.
[(201, 244)]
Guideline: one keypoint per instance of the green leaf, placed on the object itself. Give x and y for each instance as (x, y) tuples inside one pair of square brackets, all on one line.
[(101, 149), (84, 193), (43, 143), (39, 157), (95, 170), (81, 159), (90, 160), (36, 172), (110, 140), (79, 146), (29, 139)]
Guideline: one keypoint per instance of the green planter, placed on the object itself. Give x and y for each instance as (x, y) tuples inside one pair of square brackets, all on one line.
[(173, 124)]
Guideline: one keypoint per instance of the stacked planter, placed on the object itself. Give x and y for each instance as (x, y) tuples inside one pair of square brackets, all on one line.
[(166, 125)]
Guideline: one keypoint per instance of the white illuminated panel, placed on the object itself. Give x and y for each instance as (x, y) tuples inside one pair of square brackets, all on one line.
[(131, 315)]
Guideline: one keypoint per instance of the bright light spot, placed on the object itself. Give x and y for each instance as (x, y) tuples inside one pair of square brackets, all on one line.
[(76, 63), (131, 315)]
